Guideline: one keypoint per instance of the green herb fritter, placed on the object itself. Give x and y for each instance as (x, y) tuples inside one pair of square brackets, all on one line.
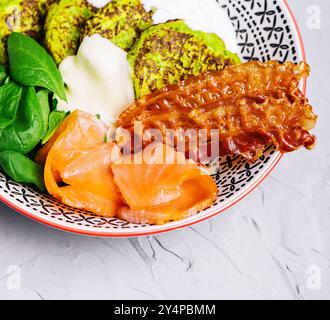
[(63, 26), (120, 21), (18, 16), (44, 5), (170, 52)]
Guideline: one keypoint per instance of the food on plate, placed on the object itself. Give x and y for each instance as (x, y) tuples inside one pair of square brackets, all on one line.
[(120, 21), (170, 52), (63, 27), (44, 5), (83, 171), (18, 16), (22, 128), (22, 169), (68, 117), (25, 107), (98, 79), (251, 105), (31, 65), (160, 190), (3, 75), (54, 121), (77, 167), (22, 125)]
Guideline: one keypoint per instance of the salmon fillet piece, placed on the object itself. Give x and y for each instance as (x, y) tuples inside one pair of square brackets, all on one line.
[(85, 172), (157, 191), (78, 166)]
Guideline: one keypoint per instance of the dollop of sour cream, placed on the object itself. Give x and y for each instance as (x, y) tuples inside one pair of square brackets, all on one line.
[(98, 79)]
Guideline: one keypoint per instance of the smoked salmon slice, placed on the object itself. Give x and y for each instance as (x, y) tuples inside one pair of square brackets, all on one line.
[(154, 186), (42, 153), (158, 191), (78, 166)]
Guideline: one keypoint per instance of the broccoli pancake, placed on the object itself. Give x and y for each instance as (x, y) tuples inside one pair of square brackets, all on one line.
[(18, 16), (44, 5), (63, 26), (170, 52), (120, 21)]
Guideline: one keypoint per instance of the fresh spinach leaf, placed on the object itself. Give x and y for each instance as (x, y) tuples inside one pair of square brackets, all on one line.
[(31, 65), (22, 169), (54, 104), (3, 75), (43, 98), (10, 98), (25, 132), (55, 120)]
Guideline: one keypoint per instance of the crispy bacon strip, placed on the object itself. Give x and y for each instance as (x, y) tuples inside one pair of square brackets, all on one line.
[(252, 105)]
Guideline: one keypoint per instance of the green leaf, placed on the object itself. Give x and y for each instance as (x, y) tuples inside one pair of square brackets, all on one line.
[(10, 97), (54, 104), (31, 65), (55, 120), (43, 98), (22, 169), (25, 132), (3, 75)]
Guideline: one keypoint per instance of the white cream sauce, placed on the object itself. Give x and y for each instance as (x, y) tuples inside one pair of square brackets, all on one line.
[(98, 79)]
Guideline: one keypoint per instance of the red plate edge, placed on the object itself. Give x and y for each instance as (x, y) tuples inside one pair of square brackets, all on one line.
[(184, 225)]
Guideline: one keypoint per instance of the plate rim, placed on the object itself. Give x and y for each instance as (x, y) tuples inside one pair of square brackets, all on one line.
[(128, 234)]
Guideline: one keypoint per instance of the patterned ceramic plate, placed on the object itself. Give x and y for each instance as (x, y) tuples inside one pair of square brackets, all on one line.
[(263, 30)]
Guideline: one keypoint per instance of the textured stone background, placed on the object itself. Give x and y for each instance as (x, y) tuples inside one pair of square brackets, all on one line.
[(274, 244)]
